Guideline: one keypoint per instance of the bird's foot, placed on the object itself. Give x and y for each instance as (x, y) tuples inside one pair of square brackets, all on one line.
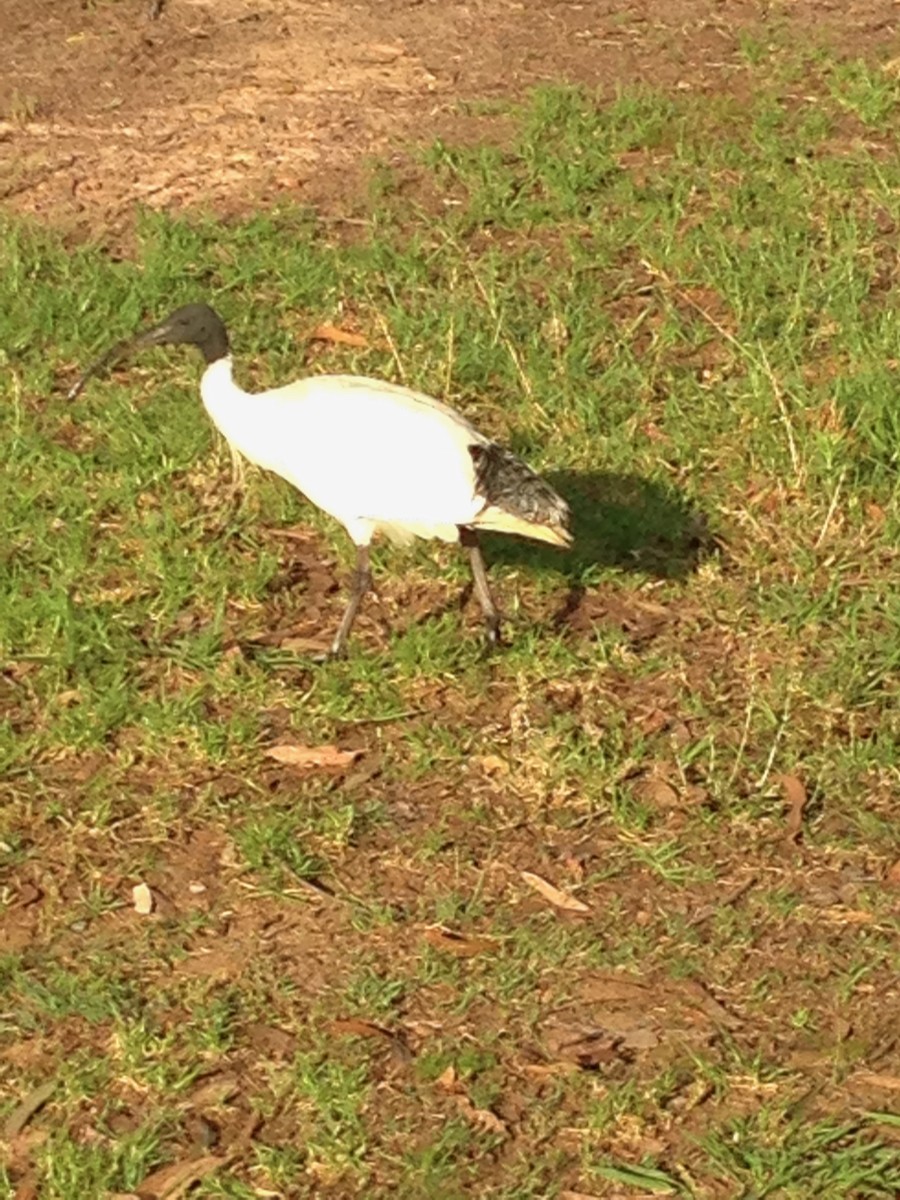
[(332, 654), (493, 637)]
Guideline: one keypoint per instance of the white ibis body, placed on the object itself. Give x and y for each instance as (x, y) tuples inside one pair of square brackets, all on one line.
[(376, 457)]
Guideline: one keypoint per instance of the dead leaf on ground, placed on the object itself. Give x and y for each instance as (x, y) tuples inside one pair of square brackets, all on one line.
[(606, 988), (312, 757), (795, 794), (709, 1004), (875, 513), (302, 645), (142, 899), (640, 1037), (270, 1041), (176, 1179), (652, 721), (22, 1114), (340, 337), (491, 764), (874, 1079), (553, 895), (548, 1070), (653, 432), (848, 916), (455, 943), (213, 1091), (481, 1118), (447, 1079), (586, 1048), (893, 875), (360, 1027), (656, 791)]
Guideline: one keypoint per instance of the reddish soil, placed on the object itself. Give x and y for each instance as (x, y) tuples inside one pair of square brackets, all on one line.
[(233, 103)]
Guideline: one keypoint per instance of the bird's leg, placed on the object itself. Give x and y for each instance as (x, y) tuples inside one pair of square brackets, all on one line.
[(360, 583), (469, 539)]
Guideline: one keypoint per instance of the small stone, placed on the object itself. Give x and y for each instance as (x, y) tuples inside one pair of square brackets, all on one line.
[(143, 899)]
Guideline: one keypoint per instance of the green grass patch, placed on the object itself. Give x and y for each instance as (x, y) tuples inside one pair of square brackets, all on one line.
[(350, 983)]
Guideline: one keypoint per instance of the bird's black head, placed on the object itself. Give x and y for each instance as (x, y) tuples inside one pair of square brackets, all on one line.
[(195, 323)]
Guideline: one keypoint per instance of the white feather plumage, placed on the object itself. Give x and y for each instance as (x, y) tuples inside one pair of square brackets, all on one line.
[(376, 457)]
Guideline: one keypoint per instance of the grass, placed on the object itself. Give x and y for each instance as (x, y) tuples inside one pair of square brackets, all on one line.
[(681, 311)]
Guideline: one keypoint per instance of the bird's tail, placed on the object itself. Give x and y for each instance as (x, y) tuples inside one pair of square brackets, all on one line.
[(516, 499)]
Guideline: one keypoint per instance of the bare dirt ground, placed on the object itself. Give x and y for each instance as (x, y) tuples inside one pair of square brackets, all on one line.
[(230, 104)]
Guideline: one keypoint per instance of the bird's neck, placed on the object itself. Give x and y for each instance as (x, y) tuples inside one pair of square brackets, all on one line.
[(226, 403), (217, 386), (248, 421)]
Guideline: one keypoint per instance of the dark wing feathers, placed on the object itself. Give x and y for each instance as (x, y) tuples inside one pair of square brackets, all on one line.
[(507, 483)]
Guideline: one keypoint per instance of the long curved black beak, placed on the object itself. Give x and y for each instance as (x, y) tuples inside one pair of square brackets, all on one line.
[(153, 337), (150, 337), (113, 354)]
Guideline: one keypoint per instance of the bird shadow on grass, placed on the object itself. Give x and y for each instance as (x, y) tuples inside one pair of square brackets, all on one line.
[(620, 521)]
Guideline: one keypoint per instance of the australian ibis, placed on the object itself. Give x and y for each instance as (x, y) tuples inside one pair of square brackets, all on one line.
[(379, 458)]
